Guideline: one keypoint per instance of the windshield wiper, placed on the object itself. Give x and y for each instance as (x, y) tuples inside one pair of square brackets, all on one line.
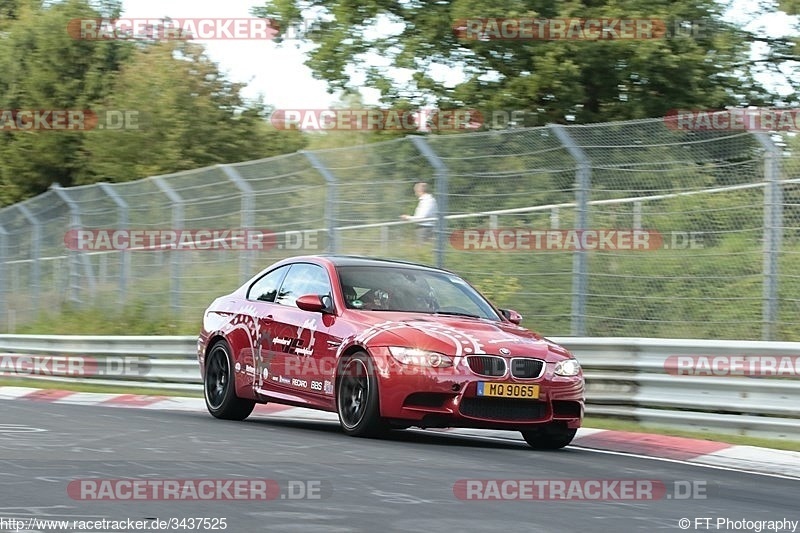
[(456, 313)]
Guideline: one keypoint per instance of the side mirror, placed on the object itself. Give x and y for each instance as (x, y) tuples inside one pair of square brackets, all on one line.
[(313, 303), (512, 316)]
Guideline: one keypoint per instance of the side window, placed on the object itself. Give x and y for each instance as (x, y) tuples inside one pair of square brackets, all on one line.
[(266, 288), (304, 278)]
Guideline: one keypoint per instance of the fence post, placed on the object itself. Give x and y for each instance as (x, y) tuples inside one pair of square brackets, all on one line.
[(384, 240), (176, 258), (442, 176), (35, 256), (773, 235), (331, 200), (3, 283), (245, 260), (75, 223), (580, 272), (122, 218)]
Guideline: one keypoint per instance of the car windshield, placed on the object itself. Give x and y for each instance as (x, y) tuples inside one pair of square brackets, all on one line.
[(391, 288)]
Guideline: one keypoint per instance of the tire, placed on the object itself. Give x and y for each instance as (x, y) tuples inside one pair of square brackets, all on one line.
[(357, 399), (219, 389), (553, 436)]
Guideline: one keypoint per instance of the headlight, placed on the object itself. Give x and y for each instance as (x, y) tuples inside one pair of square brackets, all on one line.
[(417, 357), (567, 367)]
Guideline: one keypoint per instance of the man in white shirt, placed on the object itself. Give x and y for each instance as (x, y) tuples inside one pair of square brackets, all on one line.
[(426, 208)]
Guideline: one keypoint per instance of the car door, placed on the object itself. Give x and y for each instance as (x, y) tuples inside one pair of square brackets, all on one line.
[(261, 297), (303, 336)]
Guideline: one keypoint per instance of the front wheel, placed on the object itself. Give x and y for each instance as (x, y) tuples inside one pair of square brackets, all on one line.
[(550, 437), (220, 388), (357, 401)]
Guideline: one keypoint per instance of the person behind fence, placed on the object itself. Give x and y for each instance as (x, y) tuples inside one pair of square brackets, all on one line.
[(426, 208)]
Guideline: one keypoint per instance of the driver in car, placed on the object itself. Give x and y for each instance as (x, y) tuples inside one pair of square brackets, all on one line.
[(371, 300)]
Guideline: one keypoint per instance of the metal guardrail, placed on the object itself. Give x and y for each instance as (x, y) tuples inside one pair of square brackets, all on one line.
[(156, 347), (627, 378)]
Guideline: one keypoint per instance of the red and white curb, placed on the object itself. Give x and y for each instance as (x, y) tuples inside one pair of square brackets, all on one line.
[(696, 451)]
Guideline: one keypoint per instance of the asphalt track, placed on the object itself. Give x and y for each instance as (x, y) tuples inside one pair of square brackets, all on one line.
[(400, 483)]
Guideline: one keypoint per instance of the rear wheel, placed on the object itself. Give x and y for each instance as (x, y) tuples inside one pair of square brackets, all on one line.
[(550, 437), (357, 400), (220, 388)]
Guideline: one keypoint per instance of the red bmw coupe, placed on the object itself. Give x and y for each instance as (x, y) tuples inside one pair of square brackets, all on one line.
[(385, 344)]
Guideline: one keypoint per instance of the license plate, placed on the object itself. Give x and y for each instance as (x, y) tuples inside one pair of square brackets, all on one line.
[(508, 390)]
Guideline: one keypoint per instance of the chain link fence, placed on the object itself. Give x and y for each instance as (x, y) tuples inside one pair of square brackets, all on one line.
[(616, 229)]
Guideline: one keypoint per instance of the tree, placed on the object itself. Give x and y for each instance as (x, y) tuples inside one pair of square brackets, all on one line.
[(188, 116), (11, 9), (555, 81), (44, 68)]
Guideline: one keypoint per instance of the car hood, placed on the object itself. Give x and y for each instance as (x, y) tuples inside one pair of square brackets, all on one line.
[(455, 335)]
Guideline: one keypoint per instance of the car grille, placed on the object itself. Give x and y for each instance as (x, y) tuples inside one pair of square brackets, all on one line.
[(503, 408), (487, 365), (526, 368)]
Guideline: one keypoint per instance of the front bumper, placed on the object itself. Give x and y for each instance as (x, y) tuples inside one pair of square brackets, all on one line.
[(447, 397)]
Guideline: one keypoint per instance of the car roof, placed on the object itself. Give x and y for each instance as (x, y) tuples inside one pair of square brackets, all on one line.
[(359, 260)]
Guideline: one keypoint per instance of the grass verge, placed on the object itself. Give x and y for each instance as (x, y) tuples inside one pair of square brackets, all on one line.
[(91, 387), (626, 425)]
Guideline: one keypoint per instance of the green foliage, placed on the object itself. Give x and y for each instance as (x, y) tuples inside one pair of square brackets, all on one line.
[(45, 68), (188, 114), (713, 293), (134, 318), (589, 81), (498, 288), (790, 7)]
